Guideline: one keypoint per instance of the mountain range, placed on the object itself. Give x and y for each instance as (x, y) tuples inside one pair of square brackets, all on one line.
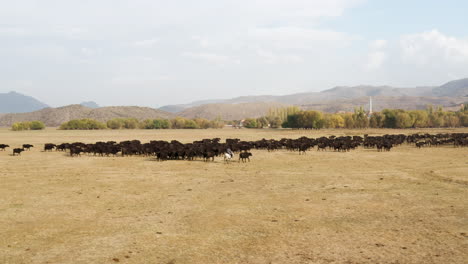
[(16, 107), (457, 90)]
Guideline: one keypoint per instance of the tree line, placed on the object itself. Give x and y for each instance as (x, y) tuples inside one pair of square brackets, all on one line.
[(387, 118), (133, 123), (287, 117)]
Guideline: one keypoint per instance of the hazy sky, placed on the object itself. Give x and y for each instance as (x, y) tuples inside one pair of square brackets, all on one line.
[(158, 52)]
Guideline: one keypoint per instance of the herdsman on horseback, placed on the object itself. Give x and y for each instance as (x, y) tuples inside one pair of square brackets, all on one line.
[(229, 151), (228, 155)]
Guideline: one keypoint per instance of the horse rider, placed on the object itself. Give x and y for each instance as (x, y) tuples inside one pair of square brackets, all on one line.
[(229, 151)]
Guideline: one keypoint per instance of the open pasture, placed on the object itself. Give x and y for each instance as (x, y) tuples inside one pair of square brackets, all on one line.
[(407, 205)]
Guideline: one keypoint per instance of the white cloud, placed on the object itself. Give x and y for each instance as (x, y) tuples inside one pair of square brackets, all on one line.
[(375, 59), (146, 42), (298, 38), (377, 55), (433, 47), (272, 58), (10, 31), (187, 13), (378, 44), (209, 57), (282, 44)]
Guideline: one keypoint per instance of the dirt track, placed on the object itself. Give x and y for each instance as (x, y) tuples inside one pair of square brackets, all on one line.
[(404, 206)]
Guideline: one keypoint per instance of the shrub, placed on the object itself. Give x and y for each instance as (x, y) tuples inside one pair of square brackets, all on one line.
[(114, 124), (36, 125), (20, 126), (82, 124)]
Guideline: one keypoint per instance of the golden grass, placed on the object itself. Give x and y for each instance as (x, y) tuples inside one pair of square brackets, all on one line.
[(404, 206)]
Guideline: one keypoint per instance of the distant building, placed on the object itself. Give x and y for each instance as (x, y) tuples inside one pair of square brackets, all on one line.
[(370, 107)]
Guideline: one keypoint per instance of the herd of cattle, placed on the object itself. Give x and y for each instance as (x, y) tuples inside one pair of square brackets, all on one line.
[(208, 149)]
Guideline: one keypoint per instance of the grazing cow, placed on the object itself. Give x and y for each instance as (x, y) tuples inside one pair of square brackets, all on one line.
[(3, 146), (244, 156), (17, 151), (27, 146)]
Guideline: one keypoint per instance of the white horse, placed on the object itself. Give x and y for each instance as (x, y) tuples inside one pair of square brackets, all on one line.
[(228, 157)]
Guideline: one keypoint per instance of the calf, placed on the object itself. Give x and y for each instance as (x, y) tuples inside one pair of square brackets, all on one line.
[(3, 146), (17, 151), (244, 156)]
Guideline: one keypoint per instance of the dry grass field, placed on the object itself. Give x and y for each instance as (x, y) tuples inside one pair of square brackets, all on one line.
[(405, 206)]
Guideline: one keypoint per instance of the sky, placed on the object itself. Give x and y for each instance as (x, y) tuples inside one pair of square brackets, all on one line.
[(158, 52)]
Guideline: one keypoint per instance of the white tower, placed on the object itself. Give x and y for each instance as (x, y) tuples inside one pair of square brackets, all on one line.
[(370, 105)]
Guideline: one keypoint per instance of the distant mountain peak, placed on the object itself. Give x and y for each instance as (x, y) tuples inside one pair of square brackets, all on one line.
[(90, 104), (14, 102)]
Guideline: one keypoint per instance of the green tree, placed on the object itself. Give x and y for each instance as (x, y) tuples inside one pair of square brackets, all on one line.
[(390, 118), (217, 123), (349, 120), (250, 123), (360, 118), (262, 122), (165, 124), (130, 123), (178, 122), (292, 121), (403, 120), (463, 117), (275, 122), (190, 124), (420, 118), (436, 117), (377, 120), (335, 121), (451, 120)]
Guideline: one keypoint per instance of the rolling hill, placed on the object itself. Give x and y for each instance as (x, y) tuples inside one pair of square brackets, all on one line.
[(55, 116), (453, 88)]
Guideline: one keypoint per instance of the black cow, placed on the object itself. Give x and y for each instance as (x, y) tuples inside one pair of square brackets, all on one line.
[(208, 155), (3, 146), (17, 151), (75, 151), (27, 146), (49, 146), (244, 156)]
